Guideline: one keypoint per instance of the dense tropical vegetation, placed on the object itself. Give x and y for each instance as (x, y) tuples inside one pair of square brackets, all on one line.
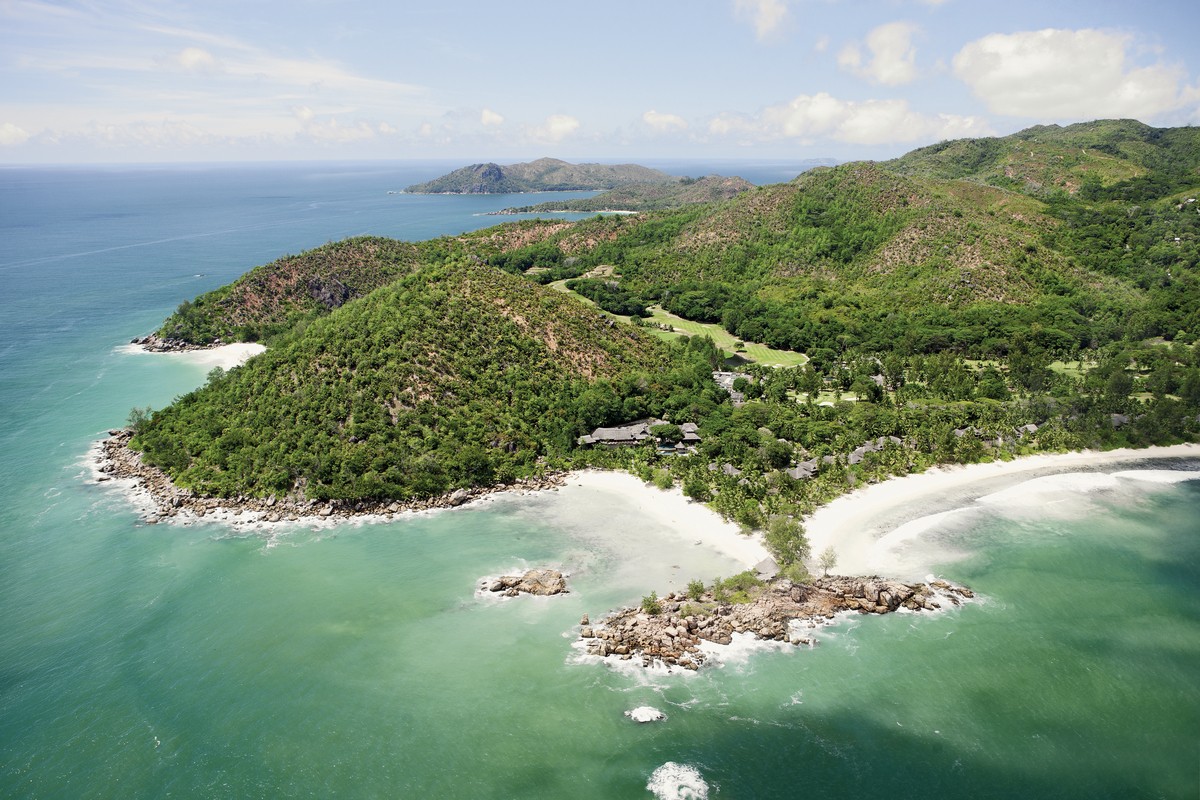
[(455, 375), (973, 300)]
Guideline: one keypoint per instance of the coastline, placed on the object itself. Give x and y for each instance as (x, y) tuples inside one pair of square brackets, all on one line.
[(855, 521), (684, 632), (225, 356), (868, 513), (151, 492)]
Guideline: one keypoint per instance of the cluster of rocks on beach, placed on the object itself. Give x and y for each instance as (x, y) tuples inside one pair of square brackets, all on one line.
[(117, 461), (156, 344), (673, 637)]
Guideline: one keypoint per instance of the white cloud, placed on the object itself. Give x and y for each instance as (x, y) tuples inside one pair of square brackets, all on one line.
[(142, 134), (767, 15), (810, 118), (331, 131), (196, 59), (303, 113), (556, 128), (12, 135), (821, 44), (893, 58), (1068, 74), (489, 118), (664, 123)]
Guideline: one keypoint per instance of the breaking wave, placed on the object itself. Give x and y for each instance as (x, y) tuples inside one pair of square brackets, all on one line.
[(674, 781)]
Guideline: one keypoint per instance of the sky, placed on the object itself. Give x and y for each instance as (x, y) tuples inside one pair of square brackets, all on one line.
[(129, 81)]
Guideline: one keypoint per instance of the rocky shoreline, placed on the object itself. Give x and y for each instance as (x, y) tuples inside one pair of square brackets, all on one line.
[(155, 344), (778, 612), (116, 461)]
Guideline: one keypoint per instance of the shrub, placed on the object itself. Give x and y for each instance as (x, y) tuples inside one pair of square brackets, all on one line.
[(796, 573), (737, 588), (697, 489), (651, 605), (663, 479), (695, 589)]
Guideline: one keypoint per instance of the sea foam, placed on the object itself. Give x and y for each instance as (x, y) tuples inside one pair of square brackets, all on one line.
[(645, 714), (1169, 476), (674, 781)]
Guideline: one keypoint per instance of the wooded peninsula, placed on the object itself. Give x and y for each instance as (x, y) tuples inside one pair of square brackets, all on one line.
[(974, 300)]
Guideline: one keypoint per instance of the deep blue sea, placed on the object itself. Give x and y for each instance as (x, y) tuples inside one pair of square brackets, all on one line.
[(148, 661)]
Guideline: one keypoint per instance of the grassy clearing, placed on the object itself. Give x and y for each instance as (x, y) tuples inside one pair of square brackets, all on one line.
[(1073, 369), (751, 351), (725, 340)]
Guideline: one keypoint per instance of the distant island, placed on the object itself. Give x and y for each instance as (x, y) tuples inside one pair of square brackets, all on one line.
[(645, 197), (543, 175)]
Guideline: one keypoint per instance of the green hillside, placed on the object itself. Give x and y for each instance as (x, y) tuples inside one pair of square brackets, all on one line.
[(1048, 158), (271, 298), (944, 319), (859, 256), (455, 375), (917, 255)]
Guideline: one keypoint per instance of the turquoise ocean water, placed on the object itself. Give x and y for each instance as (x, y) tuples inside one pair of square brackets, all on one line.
[(143, 661)]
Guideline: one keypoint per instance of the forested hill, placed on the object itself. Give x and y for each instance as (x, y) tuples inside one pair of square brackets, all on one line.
[(865, 256), (454, 375), (1092, 157), (271, 298), (543, 175), (970, 314)]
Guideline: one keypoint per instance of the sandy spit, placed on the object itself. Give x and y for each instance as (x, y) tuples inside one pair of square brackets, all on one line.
[(868, 514)]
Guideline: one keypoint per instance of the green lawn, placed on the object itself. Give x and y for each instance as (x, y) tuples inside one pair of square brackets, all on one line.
[(759, 353), (725, 340), (1074, 369)]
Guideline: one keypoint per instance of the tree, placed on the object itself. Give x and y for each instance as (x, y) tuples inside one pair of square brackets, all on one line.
[(667, 432), (138, 417), (828, 559), (786, 540), (696, 488)]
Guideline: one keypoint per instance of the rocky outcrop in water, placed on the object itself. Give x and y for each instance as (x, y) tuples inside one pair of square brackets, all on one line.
[(542, 582), (673, 636), (117, 461)]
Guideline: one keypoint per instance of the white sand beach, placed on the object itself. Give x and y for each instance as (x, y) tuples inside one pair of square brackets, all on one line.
[(694, 523), (866, 525), (226, 356)]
